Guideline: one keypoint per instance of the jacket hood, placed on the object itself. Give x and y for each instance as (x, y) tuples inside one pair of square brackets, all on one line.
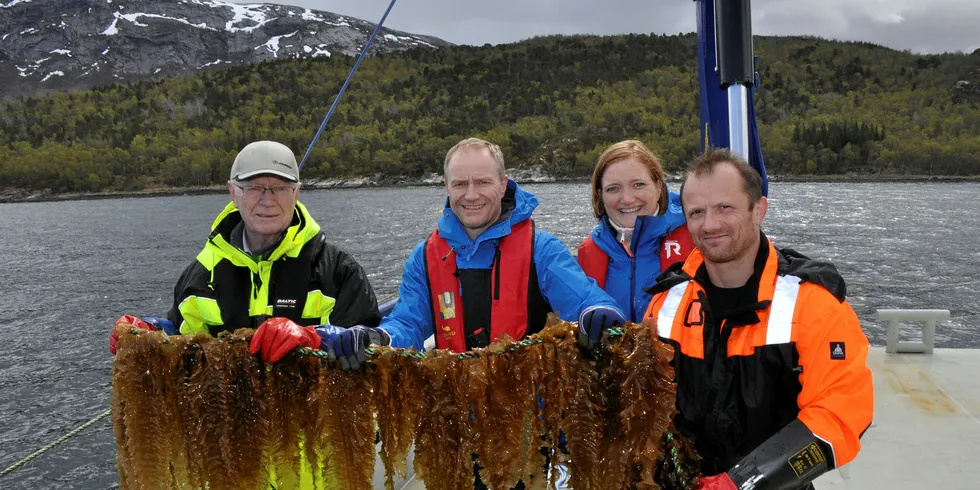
[(646, 230), (822, 273), (517, 205), (301, 230)]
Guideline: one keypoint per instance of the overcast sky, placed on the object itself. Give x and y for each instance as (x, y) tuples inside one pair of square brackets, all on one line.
[(922, 26)]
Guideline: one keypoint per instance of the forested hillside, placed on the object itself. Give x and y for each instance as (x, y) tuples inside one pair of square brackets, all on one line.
[(824, 107)]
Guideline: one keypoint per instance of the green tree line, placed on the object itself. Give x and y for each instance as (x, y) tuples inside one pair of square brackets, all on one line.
[(824, 107)]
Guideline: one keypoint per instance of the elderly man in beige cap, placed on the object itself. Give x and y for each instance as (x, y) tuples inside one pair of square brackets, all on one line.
[(267, 265)]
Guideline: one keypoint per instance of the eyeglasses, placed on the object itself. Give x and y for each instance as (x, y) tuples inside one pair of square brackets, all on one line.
[(258, 191)]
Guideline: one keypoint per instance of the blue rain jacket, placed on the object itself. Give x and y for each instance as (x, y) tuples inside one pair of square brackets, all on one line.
[(627, 277), (562, 282)]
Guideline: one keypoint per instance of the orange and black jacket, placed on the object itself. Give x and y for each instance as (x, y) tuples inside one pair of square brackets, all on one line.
[(774, 391)]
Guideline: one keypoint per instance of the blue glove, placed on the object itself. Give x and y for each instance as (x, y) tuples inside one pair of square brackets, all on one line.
[(163, 324), (347, 346), (593, 321), (325, 332)]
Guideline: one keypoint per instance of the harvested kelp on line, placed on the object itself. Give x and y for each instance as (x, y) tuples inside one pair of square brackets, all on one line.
[(202, 412)]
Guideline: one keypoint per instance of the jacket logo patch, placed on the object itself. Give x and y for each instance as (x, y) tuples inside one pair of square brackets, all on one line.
[(837, 350), (695, 314), (285, 303), (672, 247), (447, 306)]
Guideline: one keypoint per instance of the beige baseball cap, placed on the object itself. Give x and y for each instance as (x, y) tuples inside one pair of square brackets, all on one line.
[(265, 158)]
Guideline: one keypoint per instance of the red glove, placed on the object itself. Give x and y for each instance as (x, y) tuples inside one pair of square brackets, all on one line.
[(278, 336), (126, 321), (717, 482)]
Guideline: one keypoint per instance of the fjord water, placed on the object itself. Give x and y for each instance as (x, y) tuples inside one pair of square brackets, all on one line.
[(71, 268)]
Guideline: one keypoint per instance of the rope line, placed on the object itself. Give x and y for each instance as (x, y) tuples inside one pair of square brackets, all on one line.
[(346, 83), (55, 443)]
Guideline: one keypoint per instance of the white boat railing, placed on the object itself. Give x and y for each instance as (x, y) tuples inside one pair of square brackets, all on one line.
[(929, 319)]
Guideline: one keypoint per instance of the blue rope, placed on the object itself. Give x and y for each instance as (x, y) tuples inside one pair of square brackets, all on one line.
[(346, 83)]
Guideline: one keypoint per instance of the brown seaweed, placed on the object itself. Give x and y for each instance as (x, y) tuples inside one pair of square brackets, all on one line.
[(398, 405), (529, 367), (283, 382), (560, 352), (245, 440), (583, 425), (443, 452), (202, 412), (350, 428), (210, 401), (501, 425), (646, 401), (139, 400), (191, 357), (171, 372)]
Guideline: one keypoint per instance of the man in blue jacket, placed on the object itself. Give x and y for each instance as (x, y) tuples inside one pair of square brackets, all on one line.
[(485, 271)]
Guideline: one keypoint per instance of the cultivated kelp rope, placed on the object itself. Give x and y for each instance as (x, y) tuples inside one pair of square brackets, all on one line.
[(618, 404)]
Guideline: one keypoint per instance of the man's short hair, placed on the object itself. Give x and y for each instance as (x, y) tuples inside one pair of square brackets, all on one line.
[(476, 144), (707, 162)]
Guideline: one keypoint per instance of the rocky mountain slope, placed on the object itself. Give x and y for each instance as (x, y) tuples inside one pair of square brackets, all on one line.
[(71, 44)]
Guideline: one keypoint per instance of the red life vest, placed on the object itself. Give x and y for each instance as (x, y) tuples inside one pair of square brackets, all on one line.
[(510, 275), (675, 247)]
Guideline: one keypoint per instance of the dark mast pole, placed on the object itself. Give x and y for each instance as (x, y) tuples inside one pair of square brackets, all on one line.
[(736, 67)]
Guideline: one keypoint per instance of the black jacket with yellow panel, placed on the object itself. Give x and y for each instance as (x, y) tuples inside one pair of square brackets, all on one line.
[(302, 278), (775, 390)]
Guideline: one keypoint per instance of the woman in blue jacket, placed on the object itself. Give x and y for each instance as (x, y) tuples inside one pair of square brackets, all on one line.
[(641, 228)]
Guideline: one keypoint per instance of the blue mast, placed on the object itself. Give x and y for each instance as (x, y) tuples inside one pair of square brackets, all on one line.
[(726, 77)]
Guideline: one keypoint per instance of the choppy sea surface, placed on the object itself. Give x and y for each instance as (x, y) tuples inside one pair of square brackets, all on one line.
[(69, 269)]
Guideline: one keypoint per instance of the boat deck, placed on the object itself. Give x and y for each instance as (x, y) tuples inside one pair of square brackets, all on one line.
[(926, 432)]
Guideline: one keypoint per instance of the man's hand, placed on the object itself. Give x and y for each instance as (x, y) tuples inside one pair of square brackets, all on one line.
[(348, 345), (717, 482), (129, 320), (278, 336), (593, 321)]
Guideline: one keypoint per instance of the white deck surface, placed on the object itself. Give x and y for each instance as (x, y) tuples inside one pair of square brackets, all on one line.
[(926, 433)]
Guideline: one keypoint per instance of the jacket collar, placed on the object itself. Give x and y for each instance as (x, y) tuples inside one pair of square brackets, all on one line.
[(762, 281), (301, 230), (778, 262), (648, 229)]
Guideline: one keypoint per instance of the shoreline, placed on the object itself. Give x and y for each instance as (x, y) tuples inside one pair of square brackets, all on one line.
[(15, 196)]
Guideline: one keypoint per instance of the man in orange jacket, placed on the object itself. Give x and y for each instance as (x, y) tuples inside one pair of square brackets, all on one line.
[(770, 360)]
